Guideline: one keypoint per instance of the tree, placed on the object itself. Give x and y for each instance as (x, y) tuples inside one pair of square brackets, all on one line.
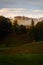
[(39, 31), (32, 31), (16, 26), (10, 24), (23, 29), (5, 26), (32, 23)]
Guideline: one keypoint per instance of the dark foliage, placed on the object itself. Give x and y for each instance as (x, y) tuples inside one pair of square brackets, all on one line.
[(35, 32), (5, 26), (39, 31)]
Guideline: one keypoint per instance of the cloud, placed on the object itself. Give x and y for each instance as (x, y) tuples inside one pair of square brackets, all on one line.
[(18, 9), (11, 12), (4, 10), (38, 11)]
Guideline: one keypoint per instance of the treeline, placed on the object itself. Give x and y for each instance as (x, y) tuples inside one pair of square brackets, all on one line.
[(34, 32)]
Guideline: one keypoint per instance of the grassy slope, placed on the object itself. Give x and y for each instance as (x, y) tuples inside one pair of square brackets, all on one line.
[(24, 48), (21, 54)]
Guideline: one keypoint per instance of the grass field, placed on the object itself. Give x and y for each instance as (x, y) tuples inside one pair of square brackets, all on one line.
[(21, 54), (21, 59), (35, 48), (27, 54)]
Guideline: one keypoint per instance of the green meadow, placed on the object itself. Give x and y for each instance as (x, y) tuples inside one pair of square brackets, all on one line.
[(21, 59), (25, 54)]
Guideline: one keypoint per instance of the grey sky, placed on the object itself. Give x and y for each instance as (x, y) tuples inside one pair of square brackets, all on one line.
[(33, 7)]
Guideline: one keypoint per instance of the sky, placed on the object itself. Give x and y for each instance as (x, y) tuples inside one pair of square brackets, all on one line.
[(28, 8)]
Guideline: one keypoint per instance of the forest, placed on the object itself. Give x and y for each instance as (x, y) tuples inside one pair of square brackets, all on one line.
[(33, 33)]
